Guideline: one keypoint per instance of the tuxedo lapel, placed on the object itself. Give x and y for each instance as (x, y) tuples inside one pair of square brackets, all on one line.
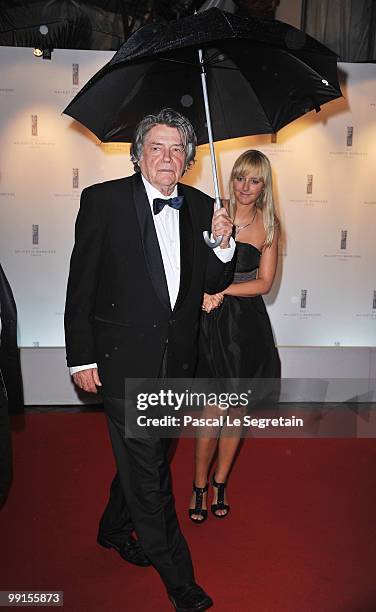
[(7, 304), (150, 241), (187, 247), (10, 367)]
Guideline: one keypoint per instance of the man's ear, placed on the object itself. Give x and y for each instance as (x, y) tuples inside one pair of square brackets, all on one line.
[(189, 165)]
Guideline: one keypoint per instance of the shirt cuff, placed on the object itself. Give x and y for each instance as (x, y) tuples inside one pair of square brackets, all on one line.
[(79, 368), (225, 255)]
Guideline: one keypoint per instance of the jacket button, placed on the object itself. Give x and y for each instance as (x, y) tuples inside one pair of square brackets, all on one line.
[(113, 305), (116, 348), (106, 355)]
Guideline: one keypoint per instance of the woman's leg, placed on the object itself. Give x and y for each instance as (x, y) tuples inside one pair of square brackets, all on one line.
[(204, 451), (227, 446), (205, 447)]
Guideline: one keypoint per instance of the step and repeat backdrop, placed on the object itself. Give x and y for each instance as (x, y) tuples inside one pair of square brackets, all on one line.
[(324, 168)]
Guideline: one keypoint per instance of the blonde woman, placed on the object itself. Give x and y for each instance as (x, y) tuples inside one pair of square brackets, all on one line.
[(236, 338)]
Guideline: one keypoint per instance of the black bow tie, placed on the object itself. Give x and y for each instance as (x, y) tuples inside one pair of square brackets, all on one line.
[(159, 203)]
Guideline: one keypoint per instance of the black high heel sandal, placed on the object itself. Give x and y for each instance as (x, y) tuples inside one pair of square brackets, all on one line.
[(220, 505), (198, 509)]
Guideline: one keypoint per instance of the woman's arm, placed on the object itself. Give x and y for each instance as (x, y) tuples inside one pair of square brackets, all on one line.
[(266, 273)]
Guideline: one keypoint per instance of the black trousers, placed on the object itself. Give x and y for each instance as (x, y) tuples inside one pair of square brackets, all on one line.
[(141, 498), (5, 446)]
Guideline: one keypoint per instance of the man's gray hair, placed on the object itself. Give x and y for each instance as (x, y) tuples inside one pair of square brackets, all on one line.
[(171, 118)]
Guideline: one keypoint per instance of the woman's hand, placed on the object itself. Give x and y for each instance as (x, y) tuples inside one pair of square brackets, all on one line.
[(211, 301)]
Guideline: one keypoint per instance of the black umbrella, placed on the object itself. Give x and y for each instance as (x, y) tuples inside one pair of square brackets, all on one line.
[(261, 74)]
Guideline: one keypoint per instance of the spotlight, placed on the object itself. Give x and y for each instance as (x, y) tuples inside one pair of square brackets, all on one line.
[(38, 52), (47, 54)]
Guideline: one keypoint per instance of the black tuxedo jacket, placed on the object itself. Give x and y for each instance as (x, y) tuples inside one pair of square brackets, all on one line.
[(11, 391), (118, 312)]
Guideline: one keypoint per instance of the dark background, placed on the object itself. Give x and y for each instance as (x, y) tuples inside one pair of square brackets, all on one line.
[(105, 24)]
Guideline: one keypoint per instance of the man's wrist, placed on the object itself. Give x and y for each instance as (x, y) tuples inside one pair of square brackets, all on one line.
[(225, 254), (80, 368)]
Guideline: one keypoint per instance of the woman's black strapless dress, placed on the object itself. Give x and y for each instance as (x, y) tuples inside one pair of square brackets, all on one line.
[(236, 339)]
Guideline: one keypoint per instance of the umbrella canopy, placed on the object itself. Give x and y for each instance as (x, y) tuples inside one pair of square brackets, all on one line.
[(261, 75)]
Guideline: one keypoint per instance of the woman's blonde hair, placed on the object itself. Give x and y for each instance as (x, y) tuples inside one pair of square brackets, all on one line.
[(256, 164)]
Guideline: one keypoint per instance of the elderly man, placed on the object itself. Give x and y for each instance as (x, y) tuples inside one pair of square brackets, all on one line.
[(11, 391), (138, 271)]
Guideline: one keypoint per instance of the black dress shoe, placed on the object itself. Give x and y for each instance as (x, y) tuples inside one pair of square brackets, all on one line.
[(130, 550), (190, 598)]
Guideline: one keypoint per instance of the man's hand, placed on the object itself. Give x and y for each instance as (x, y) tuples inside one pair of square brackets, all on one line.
[(87, 380), (222, 226), (211, 301)]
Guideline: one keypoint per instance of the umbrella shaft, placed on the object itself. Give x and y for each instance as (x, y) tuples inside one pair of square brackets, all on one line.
[(210, 131)]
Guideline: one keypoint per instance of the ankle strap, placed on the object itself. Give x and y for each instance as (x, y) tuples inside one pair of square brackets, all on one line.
[(200, 490), (218, 485)]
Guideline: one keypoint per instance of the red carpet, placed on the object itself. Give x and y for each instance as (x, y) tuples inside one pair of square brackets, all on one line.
[(301, 535)]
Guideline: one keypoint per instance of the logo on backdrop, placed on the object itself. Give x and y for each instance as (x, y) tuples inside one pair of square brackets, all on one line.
[(35, 234), (35, 251), (348, 150), (308, 200), (74, 83), (34, 125), (343, 240), (343, 252), (75, 74), (349, 136), (302, 306), (113, 147), (370, 315), (277, 144), (33, 139), (73, 185), (75, 178)]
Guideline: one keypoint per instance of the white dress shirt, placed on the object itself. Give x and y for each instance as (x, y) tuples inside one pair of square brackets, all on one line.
[(166, 224)]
